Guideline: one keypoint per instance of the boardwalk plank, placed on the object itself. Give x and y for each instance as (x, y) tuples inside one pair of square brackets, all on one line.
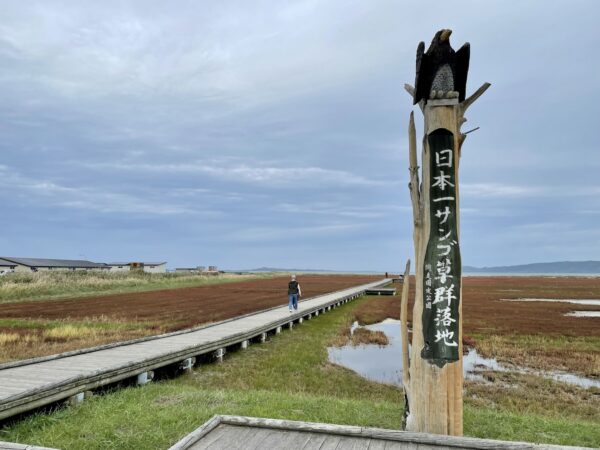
[(377, 444), (211, 440), (297, 439), (331, 442), (254, 441), (352, 443), (227, 438), (286, 439), (315, 441)]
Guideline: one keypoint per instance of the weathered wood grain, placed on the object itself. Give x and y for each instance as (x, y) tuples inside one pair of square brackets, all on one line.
[(230, 432), (404, 330), (12, 446), (315, 441), (216, 438), (331, 442), (255, 440), (376, 444)]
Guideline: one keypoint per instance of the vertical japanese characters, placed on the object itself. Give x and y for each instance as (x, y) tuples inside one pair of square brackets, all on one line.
[(442, 266)]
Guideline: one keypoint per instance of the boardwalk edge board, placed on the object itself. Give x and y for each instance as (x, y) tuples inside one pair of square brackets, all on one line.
[(425, 439), (13, 446), (61, 389)]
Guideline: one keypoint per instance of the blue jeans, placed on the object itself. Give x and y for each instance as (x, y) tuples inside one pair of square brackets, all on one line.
[(293, 301)]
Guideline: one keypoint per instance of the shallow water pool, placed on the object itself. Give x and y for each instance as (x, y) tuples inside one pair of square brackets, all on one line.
[(583, 314), (384, 363), (374, 362)]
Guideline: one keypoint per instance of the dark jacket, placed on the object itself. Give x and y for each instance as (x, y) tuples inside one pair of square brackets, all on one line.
[(292, 287)]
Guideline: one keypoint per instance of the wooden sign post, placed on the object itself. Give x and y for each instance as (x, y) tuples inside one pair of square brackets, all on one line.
[(434, 387)]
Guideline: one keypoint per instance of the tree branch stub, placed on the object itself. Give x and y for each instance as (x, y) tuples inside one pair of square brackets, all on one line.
[(411, 90), (414, 171), (478, 93)]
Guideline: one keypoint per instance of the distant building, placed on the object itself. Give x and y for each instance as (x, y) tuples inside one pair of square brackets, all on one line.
[(7, 266), (212, 270), (186, 270), (149, 267), (9, 263)]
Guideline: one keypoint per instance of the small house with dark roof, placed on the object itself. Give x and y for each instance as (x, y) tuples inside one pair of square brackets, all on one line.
[(17, 264)]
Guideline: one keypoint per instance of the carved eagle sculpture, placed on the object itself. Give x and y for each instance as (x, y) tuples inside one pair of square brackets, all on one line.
[(441, 72)]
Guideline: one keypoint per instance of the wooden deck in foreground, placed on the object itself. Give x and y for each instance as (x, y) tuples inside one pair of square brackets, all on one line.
[(249, 433), (26, 385), (11, 446)]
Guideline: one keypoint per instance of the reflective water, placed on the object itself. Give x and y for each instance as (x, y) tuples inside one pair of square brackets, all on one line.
[(374, 362), (583, 313), (578, 301), (474, 362), (572, 379), (474, 365), (384, 363)]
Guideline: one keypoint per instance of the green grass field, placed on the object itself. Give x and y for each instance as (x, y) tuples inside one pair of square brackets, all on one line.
[(288, 378), (62, 284)]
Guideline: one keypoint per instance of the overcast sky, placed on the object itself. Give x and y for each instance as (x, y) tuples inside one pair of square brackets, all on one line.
[(273, 133)]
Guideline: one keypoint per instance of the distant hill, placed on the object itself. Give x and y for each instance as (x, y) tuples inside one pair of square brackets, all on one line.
[(560, 267)]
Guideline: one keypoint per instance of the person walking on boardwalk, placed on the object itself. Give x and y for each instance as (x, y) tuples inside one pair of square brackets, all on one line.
[(294, 292)]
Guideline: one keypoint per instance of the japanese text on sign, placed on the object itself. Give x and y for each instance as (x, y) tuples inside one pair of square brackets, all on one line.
[(442, 265)]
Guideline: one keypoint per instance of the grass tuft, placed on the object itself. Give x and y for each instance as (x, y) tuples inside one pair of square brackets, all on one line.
[(8, 338), (64, 284), (28, 338)]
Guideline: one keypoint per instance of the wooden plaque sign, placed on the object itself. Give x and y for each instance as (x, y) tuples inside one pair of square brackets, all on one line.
[(442, 266)]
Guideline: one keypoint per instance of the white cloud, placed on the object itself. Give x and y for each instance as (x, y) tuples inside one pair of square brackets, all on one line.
[(330, 209), (247, 173), (99, 200), (498, 190), (266, 234)]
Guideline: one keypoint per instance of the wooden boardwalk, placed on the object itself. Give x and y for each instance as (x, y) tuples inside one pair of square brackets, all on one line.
[(250, 433), (11, 446), (381, 291), (26, 385)]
